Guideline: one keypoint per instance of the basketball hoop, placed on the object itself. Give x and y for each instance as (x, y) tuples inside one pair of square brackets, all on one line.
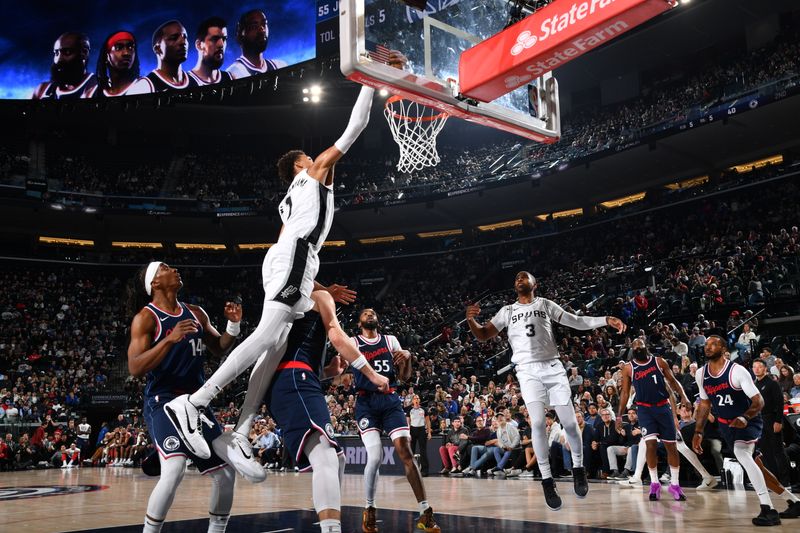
[(414, 128)]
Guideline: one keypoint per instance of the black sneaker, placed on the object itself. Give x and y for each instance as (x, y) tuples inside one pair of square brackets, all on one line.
[(793, 511), (767, 517), (614, 475), (580, 483), (551, 497)]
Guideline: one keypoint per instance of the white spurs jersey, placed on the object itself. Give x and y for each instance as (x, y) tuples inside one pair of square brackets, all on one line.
[(530, 328), (306, 211)]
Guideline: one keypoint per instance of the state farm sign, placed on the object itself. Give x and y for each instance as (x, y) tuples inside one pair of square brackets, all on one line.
[(546, 40)]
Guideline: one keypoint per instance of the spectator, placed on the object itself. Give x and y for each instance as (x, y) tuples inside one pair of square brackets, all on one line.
[(455, 442), (508, 440)]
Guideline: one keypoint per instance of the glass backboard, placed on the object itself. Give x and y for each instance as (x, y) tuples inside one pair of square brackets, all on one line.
[(433, 42)]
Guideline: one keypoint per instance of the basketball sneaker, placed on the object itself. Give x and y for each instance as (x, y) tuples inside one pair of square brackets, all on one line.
[(793, 511), (426, 523), (708, 483), (369, 520), (187, 421), (655, 491), (630, 483), (677, 493), (767, 517), (551, 497), (235, 450), (579, 482)]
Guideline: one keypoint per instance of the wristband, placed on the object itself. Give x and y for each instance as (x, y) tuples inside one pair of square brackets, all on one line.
[(698, 433), (746, 417), (233, 328), (746, 420), (359, 363)]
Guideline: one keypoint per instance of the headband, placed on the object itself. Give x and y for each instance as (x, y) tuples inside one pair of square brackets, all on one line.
[(149, 274), (120, 36)]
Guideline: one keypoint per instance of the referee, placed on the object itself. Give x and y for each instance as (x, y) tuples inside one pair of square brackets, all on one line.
[(420, 426)]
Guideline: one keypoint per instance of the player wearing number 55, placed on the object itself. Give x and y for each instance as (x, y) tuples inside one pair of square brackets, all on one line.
[(167, 344)]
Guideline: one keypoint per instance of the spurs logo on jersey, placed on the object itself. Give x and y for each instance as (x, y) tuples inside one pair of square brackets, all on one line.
[(530, 329)]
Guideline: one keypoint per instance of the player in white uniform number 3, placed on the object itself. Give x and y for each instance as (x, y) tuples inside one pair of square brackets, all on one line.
[(542, 378)]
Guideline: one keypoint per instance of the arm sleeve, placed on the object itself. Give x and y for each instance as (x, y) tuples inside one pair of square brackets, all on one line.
[(741, 379), (564, 318), (358, 120), (698, 377), (394, 344), (500, 320)]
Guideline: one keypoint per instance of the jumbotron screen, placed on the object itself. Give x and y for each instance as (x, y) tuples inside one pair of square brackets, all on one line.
[(63, 50)]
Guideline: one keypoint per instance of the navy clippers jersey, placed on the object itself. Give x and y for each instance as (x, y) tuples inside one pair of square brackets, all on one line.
[(379, 354), (307, 342), (648, 380), (181, 371), (727, 402)]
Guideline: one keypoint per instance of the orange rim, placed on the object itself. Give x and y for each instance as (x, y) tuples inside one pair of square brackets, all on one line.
[(395, 98)]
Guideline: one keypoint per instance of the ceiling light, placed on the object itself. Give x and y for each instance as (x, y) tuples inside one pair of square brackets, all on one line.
[(315, 99), (316, 90), (305, 98), (305, 90), (384, 93)]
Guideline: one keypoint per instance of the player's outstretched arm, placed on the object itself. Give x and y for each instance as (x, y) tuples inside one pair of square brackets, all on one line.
[(624, 393), (482, 332), (322, 168), (570, 320), (341, 294), (323, 302), (142, 359)]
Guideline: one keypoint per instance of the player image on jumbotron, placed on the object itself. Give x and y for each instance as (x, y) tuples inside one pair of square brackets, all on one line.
[(252, 34), (118, 67), (171, 47), (69, 77), (211, 40)]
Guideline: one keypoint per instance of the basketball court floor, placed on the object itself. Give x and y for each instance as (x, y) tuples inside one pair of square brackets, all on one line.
[(113, 500)]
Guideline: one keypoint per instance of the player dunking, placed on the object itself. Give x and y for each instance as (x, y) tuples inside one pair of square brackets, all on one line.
[(378, 411), (542, 378), (297, 403), (168, 341), (649, 375), (728, 389), (288, 274)]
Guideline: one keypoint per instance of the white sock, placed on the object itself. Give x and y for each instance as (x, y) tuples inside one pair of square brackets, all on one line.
[(370, 503), (330, 526), (674, 478), (152, 526), (217, 523), (653, 474), (788, 496), (423, 506)]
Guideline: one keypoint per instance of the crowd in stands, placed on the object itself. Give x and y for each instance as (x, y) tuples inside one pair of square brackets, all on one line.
[(222, 178), (714, 263)]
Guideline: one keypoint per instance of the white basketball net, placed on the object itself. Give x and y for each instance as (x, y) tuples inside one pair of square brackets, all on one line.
[(414, 128)]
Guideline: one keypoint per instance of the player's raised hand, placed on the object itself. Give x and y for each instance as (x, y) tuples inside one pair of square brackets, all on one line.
[(181, 329), (342, 294), (697, 445), (616, 323), (397, 59), (233, 311), (473, 311)]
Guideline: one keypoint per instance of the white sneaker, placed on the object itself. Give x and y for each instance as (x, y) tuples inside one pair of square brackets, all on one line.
[(708, 483), (187, 421), (514, 472), (467, 471), (527, 474), (235, 450), (630, 483), (69, 464), (63, 465)]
